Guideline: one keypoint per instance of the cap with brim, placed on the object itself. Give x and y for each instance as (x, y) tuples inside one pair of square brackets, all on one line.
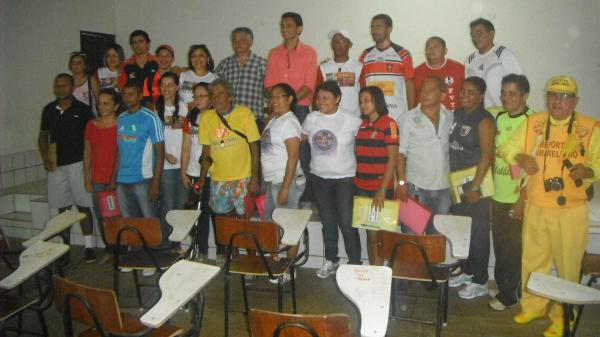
[(340, 31), (562, 84)]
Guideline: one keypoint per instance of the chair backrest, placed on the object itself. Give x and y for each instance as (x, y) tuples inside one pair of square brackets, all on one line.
[(149, 228), (103, 301), (264, 323), (434, 246), (267, 233)]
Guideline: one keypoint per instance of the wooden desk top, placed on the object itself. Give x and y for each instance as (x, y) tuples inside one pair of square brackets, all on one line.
[(178, 285), (32, 260), (293, 222), (368, 287), (182, 222), (562, 290), (457, 229), (56, 225)]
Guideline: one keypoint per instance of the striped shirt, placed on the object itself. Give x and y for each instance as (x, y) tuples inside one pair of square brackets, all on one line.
[(371, 152)]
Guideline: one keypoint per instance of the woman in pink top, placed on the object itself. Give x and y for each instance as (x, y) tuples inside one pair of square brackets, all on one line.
[(100, 151)]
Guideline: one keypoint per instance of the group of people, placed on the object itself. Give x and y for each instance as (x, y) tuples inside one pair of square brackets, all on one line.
[(161, 134)]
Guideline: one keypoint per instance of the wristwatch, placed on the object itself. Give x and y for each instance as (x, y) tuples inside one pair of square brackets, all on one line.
[(475, 188), (401, 182)]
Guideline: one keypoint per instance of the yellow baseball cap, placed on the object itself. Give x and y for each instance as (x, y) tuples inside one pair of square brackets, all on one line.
[(563, 84)]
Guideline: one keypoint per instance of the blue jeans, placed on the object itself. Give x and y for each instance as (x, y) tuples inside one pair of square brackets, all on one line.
[(98, 187), (479, 248), (334, 201), (301, 112), (173, 195), (272, 191), (133, 200), (438, 201)]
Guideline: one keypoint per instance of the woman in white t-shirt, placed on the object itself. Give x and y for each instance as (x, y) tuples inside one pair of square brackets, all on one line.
[(108, 76), (86, 87), (332, 168), (280, 150), (201, 65), (172, 112)]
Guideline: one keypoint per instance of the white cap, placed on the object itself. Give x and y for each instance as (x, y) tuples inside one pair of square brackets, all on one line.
[(340, 31)]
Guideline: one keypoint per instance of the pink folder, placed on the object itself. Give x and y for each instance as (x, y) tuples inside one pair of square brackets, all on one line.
[(109, 206), (414, 215)]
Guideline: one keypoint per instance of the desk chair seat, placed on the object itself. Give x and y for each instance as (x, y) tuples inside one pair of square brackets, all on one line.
[(138, 244), (264, 238), (270, 324), (417, 258), (99, 309)]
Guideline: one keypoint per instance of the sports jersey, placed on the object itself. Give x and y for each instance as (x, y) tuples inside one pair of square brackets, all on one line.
[(347, 75), (173, 133), (505, 187), (274, 154), (389, 69), (453, 74), (371, 152), (331, 138), (108, 79), (492, 67), (465, 149), (131, 72), (187, 80), (136, 132), (230, 154)]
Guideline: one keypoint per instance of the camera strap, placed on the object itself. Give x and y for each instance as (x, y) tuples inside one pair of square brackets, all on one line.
[(560, 200)]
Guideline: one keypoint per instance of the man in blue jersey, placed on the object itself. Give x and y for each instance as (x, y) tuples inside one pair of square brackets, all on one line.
[(141, 156)]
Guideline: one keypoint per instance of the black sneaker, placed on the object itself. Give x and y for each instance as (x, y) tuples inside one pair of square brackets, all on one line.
[(90, 255)]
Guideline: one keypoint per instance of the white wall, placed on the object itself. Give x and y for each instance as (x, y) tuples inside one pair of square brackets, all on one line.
[(37, 37), (549, 37)]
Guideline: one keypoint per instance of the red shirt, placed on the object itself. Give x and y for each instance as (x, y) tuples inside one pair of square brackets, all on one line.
[(371, 152), (297, 68), (104, 151), (453, 74)]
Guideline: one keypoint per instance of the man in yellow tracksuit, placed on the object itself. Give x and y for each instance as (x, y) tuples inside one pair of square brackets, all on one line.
[(560, 152)]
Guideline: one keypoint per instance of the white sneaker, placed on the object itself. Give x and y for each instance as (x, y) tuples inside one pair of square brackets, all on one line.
[(285, 278), (148, 271), (495, 304), (473, 290), (327, 269), (462, 279)]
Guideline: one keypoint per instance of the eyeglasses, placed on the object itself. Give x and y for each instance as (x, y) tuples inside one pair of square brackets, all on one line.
[(278, 96), (560, 95)]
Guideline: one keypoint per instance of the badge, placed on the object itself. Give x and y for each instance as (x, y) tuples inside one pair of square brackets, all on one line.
[(465, 130)]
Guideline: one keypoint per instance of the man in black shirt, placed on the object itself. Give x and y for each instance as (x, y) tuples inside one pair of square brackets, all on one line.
[(61, 147), (140, 65)]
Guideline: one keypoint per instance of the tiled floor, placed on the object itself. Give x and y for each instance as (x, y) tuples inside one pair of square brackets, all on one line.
[(466, 318)]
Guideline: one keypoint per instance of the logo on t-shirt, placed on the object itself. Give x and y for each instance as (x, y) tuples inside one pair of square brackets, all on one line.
[(325, 142), (265, 141)]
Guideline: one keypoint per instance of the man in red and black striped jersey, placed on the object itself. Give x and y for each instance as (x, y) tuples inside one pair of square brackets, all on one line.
[(389, 67)]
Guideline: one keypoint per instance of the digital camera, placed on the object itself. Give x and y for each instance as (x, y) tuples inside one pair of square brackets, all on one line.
[(554, 184)]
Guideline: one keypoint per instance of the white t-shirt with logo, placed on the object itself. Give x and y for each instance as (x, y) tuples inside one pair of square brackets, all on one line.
[(274, 156), (347, 76), (108, 79), (174, 134), (187, 80), (331, 140)]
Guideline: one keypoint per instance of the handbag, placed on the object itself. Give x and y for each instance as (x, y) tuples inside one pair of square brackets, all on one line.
[(109, 205)]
